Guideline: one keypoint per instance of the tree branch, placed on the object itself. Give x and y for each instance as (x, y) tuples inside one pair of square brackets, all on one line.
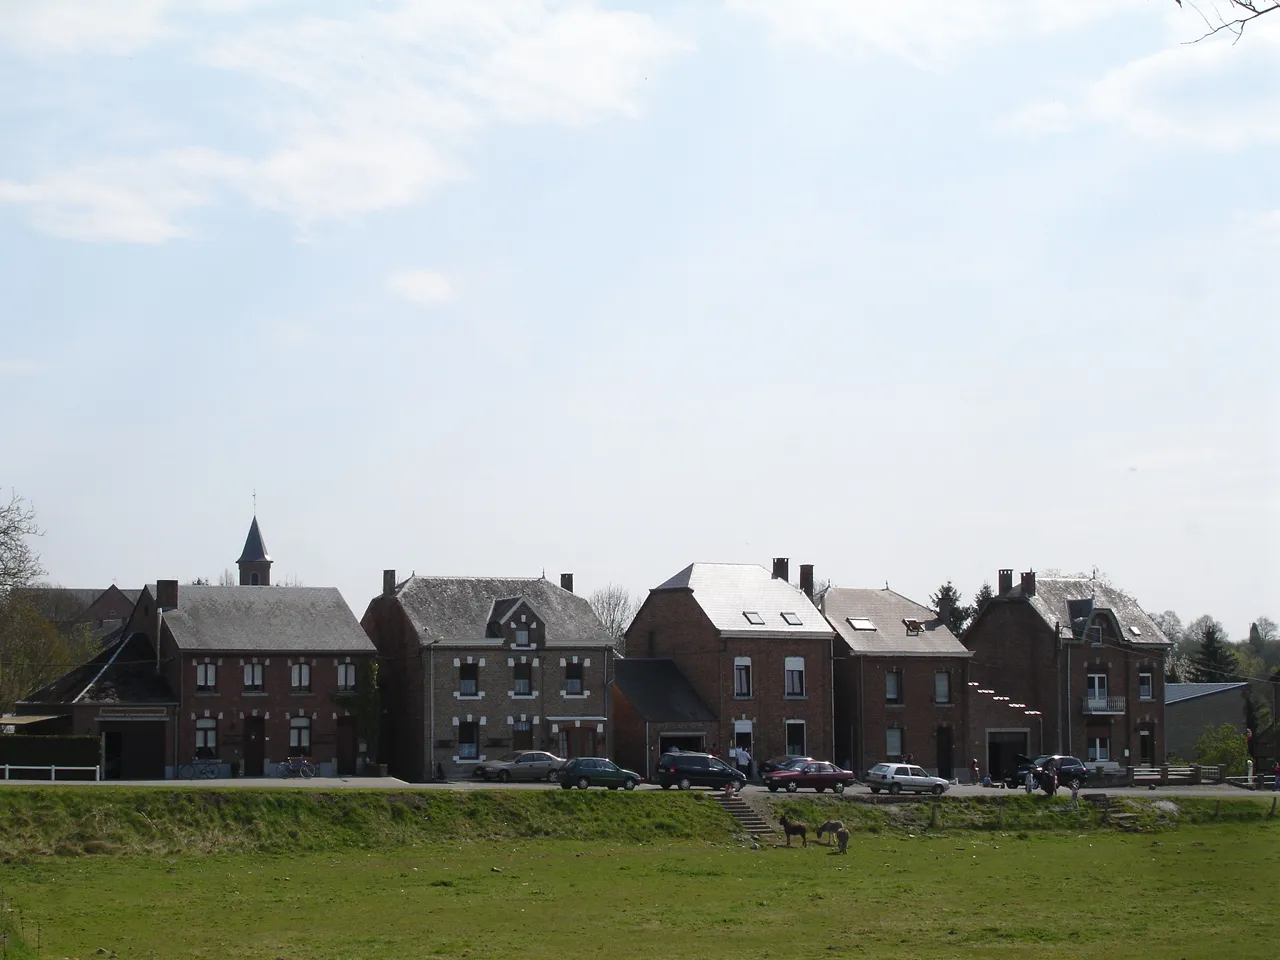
[(1246, 10)]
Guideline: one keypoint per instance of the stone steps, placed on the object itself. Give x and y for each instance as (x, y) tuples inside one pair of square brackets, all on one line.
[(745, 814)]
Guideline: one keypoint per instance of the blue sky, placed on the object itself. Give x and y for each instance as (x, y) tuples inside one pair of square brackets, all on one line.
[(911, 292)]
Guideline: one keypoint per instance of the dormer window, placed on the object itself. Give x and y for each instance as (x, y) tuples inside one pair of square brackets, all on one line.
[(792, 619), (753, 618)]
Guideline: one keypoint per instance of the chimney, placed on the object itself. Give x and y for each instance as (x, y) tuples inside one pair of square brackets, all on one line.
[(1005, 583), (388, 582), (1029, 583), (167, 594), (782, 568), (566, 582), (806, 579), (944, 610)]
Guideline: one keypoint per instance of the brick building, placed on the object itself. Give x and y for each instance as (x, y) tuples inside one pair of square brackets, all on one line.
[(900, 682), (98, 611), (476, 667), (1080, 664), (655, 706), (753, 647)]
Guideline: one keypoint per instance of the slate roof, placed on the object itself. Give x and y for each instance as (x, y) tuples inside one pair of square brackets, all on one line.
[(1064, 600), (726, 592), (1180, 692), (255, 548), (265, 619), (124, 672), (886, 610), (660, 692), (59, 599), (459, 609)]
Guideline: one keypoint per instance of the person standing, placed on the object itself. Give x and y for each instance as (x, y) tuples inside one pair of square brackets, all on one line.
[(1275, 783), (744, 762), (975, 772)]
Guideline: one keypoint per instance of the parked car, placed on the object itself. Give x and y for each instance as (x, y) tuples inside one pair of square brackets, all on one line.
[(1071, 771), (583, 772), (782, 763), (816, 774), (686, 770), (899, 777), (529, 765)]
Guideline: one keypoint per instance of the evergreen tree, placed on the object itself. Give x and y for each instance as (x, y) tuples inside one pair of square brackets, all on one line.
[(984, 596), (1213, 660), (951, 608)]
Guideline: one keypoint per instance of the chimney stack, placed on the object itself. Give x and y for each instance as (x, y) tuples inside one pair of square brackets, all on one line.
[(806, 579), (1029, 583), (782, 568), (388, 582), (944, 610), (566, 582), (1005, 583), (167, 594)]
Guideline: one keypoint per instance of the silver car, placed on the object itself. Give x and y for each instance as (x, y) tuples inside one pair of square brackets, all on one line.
[(899, 777), (529, 765)]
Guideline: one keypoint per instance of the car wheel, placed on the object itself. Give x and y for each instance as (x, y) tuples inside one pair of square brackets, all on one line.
[(566, 785), (1074, 783), (629, 785), (504, 776), (583, 783), (738, 785), (819, 789), (838, 788), (792, 787), (937, 789), (551, 776), (875, 789), (684, 784), (665, 786), (895, 789), (773, 787)]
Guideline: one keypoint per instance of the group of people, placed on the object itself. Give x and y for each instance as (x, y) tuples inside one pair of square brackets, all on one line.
[(740, 757)]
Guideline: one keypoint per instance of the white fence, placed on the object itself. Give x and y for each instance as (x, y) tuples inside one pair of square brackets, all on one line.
[(53, 770)]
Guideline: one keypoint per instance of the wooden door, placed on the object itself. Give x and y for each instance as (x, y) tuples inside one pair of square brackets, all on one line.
[(346, 746), (254, 746), (946, 766)]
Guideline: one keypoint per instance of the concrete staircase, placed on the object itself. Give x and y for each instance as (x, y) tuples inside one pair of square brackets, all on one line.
[(1107, 812), (751, 821)]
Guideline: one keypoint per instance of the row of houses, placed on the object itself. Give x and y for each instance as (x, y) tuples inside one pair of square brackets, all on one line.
[(718, 656)]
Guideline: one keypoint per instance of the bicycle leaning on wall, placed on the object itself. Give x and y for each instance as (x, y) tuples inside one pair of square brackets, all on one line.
[(296, 767)]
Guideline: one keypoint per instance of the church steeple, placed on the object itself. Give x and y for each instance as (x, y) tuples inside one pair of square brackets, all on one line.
[(254, 562)]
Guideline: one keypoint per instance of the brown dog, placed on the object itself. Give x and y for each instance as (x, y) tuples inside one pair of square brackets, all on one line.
[(842, 840), (795, 830), (831, 826)]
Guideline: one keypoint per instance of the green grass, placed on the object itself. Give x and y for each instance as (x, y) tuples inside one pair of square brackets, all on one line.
[(1195, 892)]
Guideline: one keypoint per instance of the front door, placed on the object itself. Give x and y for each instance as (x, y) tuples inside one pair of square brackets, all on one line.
[(1146, 747), (945, 763), (254, 746), (580, 741), (346, 746)]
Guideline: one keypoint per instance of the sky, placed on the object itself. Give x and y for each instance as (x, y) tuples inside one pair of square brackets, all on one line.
[(905, 290)]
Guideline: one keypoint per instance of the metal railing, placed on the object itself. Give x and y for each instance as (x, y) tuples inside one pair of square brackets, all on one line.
[(53, 770), (1103, 705)]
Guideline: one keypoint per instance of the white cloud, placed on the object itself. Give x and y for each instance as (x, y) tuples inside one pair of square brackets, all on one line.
[(427, 288), (76, 26), (14, 368), (370, 112)]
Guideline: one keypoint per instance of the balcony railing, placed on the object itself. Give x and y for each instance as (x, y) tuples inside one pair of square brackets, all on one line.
[(1104, 705)]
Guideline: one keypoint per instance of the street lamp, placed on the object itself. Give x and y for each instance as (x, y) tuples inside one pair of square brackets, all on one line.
[(1040, 717)]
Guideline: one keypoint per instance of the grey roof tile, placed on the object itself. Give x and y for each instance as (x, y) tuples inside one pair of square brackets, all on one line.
[(1062, 600), (727, 592), (886, 611), (1178, 692), (660, 692), (124, 671), (255, 548), (267, 619)]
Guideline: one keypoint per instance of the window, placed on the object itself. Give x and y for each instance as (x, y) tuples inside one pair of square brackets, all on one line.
[(524, 680), (792, 619), (914, 626), (468, 680), (522, 637), (1099, 749), (861, 623), (795, 738), (522, 735), (893, 742), (893, 686), (1097, 686), (300, 677), (206, 739), (794, 676), (1095, 635), (1145, 689), (253, 677), (300, 733), (942, 687), (573, 679), (468, 741), (346, 678), (753, 618), (206, 677), (742, 676)]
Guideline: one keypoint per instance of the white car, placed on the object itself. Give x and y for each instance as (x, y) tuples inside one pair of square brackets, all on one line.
[(897, 777)]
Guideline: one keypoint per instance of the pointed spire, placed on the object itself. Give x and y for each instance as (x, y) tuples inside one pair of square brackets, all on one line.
[(255, 549)]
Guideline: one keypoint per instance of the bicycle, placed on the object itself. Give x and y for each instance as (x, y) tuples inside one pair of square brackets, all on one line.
[(199, 767), (296, 767)]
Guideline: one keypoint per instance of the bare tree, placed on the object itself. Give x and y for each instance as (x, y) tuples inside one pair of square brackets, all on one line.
[(1238, 14), (19, 563), (228, 579), (616, 607)]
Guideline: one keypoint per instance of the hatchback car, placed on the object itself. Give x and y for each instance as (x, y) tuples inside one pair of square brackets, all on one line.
[(529, 765), (783, 763), (816, 774), (583, 772), (686, 770), (899, 777)]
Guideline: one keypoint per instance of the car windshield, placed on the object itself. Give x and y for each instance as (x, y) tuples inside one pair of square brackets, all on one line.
[(1041, 761), (880, 768)]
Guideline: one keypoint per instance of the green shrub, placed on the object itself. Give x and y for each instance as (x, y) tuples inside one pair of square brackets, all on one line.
[(1224, 747)]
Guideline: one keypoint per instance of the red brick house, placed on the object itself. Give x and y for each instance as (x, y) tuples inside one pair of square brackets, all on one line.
[(755, 650), (900, 682), (99, 611), (1065, 665), (476, 667)]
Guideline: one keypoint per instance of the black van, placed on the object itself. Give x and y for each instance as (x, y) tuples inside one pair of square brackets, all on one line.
[(687, 770)]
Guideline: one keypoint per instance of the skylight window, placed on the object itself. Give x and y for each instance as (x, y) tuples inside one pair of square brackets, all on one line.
[(753, 618), (861, 623), (913, 626), (793, 619), (1135, 631)]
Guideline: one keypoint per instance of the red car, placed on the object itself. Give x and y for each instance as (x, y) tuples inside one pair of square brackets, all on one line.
[(817, 774)]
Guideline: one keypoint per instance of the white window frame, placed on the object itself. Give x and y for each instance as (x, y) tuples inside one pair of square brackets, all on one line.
[(462, 690), (896, 697), (254, 679), (515, 680), (522, 637), (300, 733), (942, 678), (473, 745), (892, 734), (206, 677), (580, 680), (1098, 749), (1150, 685), (1096, 686), (347, 678), (786, 735), (207, 736), (300, 677), (742, 669), (793, 678)]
